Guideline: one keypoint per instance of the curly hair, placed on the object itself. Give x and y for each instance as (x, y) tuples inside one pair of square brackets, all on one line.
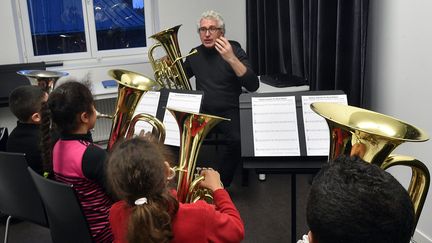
[(61, 112), (354, 201)]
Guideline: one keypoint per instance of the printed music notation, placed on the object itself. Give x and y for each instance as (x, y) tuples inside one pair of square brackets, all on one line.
[(274, 122), (148, 105), (184, 102), (317, 133)]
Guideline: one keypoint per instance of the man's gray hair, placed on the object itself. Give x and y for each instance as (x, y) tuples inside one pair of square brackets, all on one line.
[(211, 14)]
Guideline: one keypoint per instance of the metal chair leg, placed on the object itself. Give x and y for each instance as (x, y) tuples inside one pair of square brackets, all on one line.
[(7, 229)]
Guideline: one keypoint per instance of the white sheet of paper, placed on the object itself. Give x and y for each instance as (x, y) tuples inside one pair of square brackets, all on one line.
[(316, 129), (184, 102), (274, 122), (148, 104)]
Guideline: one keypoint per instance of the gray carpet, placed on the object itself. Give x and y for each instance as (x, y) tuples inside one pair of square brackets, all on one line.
[(263, 205)]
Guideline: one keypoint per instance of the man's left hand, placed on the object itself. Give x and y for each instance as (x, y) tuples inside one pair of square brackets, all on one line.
[(223, 46)]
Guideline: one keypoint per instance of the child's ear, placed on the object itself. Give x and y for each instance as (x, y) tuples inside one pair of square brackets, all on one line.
[(311, 238), (167, 168), (36, 118), (84, 117)]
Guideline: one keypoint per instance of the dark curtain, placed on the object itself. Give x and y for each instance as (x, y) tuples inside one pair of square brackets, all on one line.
[(321, 41)]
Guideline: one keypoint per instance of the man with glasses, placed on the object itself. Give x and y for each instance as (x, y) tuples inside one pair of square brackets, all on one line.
[(221, 68)]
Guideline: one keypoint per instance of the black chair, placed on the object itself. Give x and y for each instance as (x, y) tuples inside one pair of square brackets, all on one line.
[(19, 197), (64, 213)]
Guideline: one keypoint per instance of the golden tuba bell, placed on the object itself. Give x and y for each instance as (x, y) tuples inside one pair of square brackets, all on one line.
[(373, 136), (193, 127), (169, 72), (131, 87), (43, 78)]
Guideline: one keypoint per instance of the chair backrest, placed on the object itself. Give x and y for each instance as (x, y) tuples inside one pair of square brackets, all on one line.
[(19, 197), (64, 213)]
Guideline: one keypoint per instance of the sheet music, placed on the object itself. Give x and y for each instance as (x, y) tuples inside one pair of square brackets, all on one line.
[(316, 129), (274, 122), (181, 101), (148, 104)]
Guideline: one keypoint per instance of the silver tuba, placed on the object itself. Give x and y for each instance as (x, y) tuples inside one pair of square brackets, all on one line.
[(373, 136), (43, 78)]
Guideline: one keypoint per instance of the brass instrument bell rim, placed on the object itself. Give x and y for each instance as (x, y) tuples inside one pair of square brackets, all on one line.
[(199, 114), (334, 111), (163, 32), (147, 85), (42, 73)]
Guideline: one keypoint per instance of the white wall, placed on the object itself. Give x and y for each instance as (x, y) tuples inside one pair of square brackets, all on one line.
[(399, 69), (8, 43)]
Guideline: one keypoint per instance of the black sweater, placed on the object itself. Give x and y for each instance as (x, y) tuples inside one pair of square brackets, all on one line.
[(26, 138), (217, 79)]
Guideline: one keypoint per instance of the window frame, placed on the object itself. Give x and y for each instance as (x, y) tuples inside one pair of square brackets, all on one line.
[(92, 53)]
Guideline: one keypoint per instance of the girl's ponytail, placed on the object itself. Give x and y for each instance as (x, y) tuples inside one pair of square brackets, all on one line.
[(46, 142), (151, 221)]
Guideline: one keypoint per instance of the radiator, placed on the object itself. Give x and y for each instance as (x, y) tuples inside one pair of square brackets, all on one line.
[(102, 128)]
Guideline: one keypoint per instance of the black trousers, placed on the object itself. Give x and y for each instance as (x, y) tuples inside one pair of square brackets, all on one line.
[(229, 131)]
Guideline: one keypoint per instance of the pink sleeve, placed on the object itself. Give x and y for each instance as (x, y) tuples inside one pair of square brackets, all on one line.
[(225, 224)]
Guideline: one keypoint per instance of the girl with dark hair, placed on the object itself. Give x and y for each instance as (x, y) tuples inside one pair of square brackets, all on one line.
[(74, 159), (138, 174)]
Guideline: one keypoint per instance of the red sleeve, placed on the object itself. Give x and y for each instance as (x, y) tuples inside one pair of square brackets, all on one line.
[(118, 217), (225, 224)]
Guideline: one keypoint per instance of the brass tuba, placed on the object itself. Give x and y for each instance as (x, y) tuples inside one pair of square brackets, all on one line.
[(193, 127), (43, 78), (373, 136), (169, 72), (131, 87)]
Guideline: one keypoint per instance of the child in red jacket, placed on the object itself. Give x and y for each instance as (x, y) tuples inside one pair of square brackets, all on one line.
[(149, 212)]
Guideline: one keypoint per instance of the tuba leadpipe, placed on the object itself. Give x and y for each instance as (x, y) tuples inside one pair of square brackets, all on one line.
[(193, 127), (372, 137), (169, 72), (131, 87)]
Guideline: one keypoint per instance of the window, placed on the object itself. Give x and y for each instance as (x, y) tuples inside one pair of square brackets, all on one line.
[(57, 30)]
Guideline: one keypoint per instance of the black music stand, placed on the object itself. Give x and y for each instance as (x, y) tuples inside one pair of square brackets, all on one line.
[(293, 165)]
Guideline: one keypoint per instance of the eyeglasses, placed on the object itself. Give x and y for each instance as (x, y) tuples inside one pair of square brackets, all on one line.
[(212, 30)]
